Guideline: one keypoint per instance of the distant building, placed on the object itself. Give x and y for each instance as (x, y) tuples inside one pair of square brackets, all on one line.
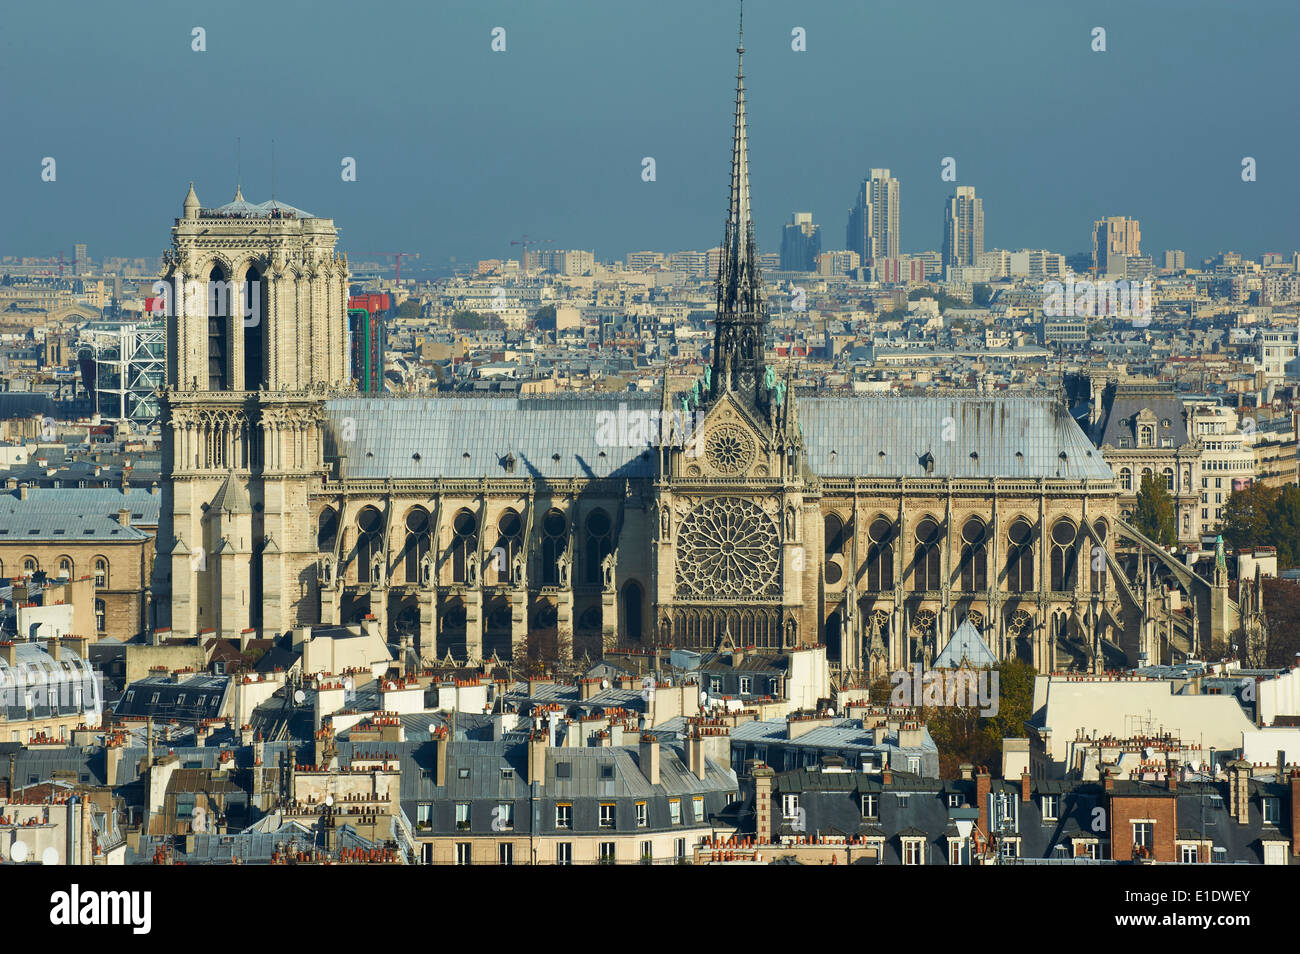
[(873, 228), (801, 243), (1175, 260), (963, 228), (1113, 240)]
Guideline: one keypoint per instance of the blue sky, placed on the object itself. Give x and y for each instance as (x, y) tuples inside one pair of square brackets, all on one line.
[(460, 149)]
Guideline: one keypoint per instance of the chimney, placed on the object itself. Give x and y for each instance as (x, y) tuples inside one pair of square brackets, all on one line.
[(124, 517), (1295, 814), (441, 738), (982, 787), (22, 492), (763, 803), (1239, 791), (967, 771), (886, 775), (1171, 773), (7, 652), (588, 688), (650, 758), (1279, 776), (1024, 786), (1108, 778), (537, 758), (52, 647)]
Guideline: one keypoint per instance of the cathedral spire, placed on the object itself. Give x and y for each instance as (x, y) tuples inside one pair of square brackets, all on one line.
[(741, 314)]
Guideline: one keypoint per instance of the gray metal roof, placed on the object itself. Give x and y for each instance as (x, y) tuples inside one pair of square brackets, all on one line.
[(966, 646), (562, 436), (144, 506), (886, 435), (46, 518)]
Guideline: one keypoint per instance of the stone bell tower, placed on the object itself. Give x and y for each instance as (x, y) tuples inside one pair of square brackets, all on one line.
[(256, 302)]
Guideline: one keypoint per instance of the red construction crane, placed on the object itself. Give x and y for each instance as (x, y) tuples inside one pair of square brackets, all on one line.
[(398, 256), (523, 241)]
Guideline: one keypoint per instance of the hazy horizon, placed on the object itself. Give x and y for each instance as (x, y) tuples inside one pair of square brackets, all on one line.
[(460, 150)]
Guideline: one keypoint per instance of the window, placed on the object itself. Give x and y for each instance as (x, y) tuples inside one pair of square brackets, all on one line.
[(1064, 556), (424, 815), (913, 851), (101, 616), (641, 815), (1268, 809), (101, 572), (462, 772), (1050, 804), (902, 799), (464, 544), (675, 811), (681, 849), (880, 555), (607, 771), (463, 852), (974, 556), (65, 568), (955, 851), (1125, 478), (505, 817), (746, 685), (563, 769), (563, 815), (507, 774), (914, 764), (1009, 847), (506, 853), (925, 563), (462, 815), (1189, 854), (790, 806), (1020, 557), (647, 850), (564, 853), (1142, 832), (599, 545), (608, 815), (606, 855), (697, 806), (1274, 853), (870, 806)]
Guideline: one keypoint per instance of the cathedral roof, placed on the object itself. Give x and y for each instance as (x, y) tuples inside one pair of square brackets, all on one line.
[(965, 647), (974, 436), (231, 498), (242, 208)]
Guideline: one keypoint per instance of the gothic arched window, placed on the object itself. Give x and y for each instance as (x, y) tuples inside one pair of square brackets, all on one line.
[(599, 545), (974, 556), (218, 330), (880, 555), (925, 562), (554, 540), (417, 542), (1064, 556), (1020, 557), (370, 527), (464, 545)]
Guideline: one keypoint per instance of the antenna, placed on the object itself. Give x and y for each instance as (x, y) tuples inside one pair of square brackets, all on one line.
[(239, 157), (272, 170)]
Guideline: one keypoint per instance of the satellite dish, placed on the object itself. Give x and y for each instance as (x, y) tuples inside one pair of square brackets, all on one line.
[(830, 710), (704, 698), (604, 684), (348, 683), (299, 696), (329, 799), (1194, 765), (18, 851), (50, 856), (1148, 751)]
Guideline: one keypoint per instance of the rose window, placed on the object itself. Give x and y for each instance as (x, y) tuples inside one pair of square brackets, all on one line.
[(728, 549)]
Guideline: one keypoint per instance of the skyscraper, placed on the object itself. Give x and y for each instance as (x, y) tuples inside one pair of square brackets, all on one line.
[(801, 243), (963, 228), (1114, 239), (873, 229)]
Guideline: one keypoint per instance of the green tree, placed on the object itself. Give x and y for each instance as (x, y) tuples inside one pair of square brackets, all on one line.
[(1285, 526), (982, 294), (409, 308), (1015, 701), (1155, 511), (468, 321), (545, 317), (1246, 517)]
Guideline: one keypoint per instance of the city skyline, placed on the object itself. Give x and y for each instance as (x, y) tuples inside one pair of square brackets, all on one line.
[(496, 161)]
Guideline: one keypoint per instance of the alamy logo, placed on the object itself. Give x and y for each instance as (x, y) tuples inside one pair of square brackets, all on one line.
[(961, 688), (75, 907), (1089, 299), (220, 298)]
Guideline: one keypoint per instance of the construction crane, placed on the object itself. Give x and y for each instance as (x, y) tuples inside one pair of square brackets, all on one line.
[(524, 242), (398, 256)]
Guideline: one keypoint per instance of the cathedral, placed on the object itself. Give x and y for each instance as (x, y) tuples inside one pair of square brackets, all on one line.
[(757, 516)]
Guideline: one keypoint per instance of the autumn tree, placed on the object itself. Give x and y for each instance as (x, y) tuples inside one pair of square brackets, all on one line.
[(1155, 511)]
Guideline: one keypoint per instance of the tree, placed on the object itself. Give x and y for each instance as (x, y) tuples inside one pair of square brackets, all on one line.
[(982, 293), (1246, 517), (1285, 526), (1155, 512), (409, 308), (468, 321)]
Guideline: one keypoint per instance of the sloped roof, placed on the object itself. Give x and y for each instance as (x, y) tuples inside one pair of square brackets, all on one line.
[(965, 436), (965, 647), (232, 498)]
